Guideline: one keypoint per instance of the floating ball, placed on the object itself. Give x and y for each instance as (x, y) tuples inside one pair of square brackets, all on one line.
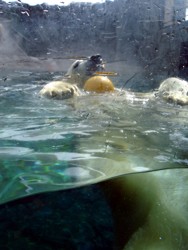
[(99, 84)]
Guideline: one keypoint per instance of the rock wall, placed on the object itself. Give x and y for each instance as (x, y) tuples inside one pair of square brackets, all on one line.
[(136, 32)]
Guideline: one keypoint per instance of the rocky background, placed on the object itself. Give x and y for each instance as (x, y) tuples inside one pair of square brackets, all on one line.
[(139, 39)]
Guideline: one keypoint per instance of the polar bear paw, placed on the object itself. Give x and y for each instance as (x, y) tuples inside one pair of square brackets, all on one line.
[(60, 90)]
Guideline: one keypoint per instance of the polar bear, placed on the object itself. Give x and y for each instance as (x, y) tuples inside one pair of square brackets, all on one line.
[(149, 210), (172, 89), (74, 80)]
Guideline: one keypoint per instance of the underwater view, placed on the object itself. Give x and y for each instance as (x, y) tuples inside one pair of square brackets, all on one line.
[(94, 125)]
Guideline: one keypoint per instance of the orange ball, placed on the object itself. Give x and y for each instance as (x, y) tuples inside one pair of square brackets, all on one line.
[(99, 84)]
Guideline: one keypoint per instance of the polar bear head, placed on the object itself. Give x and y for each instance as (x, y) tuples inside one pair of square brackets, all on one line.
[(175, 90), (81, 70)]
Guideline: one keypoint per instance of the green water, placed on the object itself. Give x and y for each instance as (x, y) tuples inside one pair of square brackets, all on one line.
[(50, 145)]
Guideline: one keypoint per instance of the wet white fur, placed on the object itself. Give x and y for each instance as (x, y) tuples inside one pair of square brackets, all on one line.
[(174, 90), (69, 86), (154, 206)]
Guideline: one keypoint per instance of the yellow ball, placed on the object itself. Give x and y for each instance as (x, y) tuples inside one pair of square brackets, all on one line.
[(99, 84)]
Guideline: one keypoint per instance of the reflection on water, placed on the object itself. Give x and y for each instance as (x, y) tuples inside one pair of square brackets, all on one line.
[(51, 145)]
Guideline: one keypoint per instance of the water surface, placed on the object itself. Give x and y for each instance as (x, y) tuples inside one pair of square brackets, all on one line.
[(50, 145)]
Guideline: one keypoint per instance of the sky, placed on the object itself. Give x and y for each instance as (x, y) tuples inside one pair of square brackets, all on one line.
[(51, 2)]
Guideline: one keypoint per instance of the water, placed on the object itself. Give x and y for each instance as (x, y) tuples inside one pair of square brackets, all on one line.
[(48, 145)]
